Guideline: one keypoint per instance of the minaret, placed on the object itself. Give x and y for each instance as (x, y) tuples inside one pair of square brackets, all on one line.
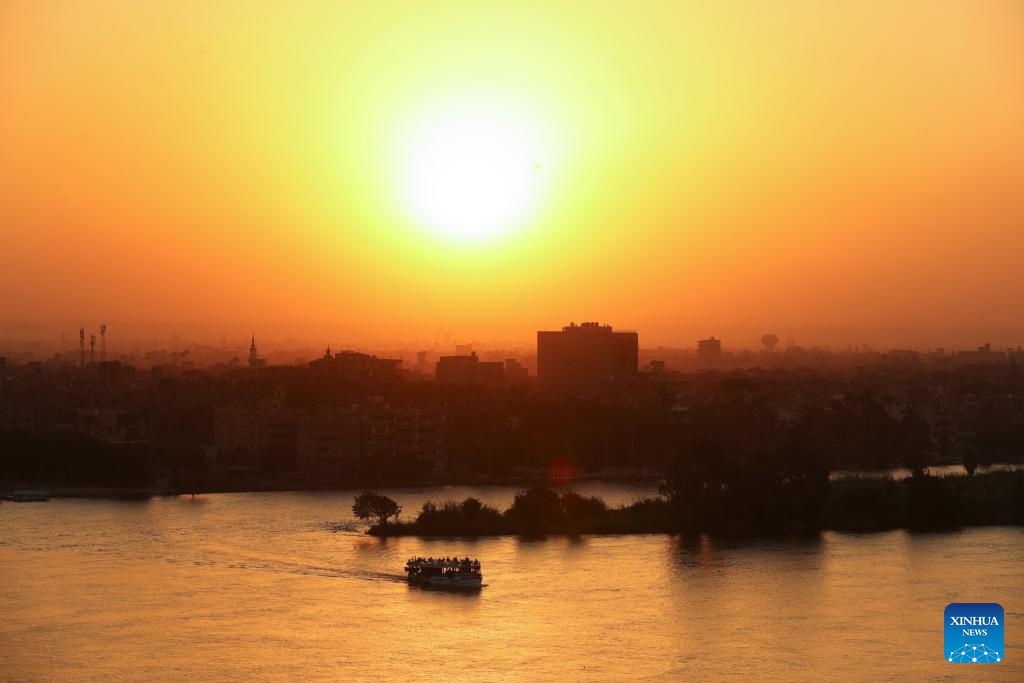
[(103, 343), (92, 349), (81, 345), (253, 358)]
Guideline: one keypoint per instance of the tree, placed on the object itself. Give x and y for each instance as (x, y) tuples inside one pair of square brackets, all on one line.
[(536, 509), (471, 507), (370, 505)]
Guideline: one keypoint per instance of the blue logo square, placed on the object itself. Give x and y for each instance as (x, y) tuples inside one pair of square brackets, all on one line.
[(974, 633)]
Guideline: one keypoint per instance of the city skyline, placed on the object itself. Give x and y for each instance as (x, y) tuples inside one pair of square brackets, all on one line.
[(44, 341)]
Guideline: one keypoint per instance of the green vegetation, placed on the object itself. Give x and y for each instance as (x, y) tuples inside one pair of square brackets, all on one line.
[(920, 503)]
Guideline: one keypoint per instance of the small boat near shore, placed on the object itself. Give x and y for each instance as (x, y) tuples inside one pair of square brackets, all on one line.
[(26, 496), (445, 572)]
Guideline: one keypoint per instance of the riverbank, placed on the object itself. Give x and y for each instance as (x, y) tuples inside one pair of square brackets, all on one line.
[(851, 504), (268, 485), (250, 484)]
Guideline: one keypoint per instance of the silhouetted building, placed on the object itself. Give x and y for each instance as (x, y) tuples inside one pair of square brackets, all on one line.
[(112, 424), (19, 416), (235, 429), (329, 443), (256, 434), (254, 360), (403, 436), (709, 351), (589, 359), (466, 370), (516, 373), (352, 366), (984, 355), (903, 356)]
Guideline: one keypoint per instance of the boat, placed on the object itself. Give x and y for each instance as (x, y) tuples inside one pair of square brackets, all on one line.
[(445, 572), (27, 496)]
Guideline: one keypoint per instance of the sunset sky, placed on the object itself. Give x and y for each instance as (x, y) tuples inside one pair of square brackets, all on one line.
[(373, 172)]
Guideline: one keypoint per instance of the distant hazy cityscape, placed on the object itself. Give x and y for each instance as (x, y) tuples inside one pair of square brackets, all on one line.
[(133, 345), (586, 400)]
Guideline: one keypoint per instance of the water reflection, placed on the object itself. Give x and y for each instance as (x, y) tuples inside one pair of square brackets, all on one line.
[(272, 587), (445, 592), (687, 551)]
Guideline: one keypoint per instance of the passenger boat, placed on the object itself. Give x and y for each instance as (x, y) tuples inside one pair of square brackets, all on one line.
[(445, 572)]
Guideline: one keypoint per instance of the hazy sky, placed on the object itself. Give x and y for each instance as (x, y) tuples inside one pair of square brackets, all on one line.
[(830, 171)]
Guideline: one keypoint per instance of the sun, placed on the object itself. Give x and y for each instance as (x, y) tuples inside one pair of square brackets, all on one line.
[(471, 173)]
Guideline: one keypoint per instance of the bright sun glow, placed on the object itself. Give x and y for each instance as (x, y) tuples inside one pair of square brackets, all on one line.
[(471, 173)]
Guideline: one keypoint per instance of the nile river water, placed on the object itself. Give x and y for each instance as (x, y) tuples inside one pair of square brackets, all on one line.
[(285, 586)]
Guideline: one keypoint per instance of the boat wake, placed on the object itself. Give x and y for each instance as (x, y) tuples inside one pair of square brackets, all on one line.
[(231, 558)]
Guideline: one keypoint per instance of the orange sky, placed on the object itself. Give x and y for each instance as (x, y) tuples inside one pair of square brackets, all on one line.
[(832, 172)]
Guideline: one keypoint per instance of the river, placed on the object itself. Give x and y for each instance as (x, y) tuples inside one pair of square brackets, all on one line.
[(285, 586)]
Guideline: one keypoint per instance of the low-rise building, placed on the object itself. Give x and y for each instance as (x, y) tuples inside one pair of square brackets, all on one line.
[(469, 370)]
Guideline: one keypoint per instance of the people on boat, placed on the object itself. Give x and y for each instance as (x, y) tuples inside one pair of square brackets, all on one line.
[(447, 566)]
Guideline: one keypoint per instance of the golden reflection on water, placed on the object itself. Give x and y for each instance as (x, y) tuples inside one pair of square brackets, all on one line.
[(258, 586)]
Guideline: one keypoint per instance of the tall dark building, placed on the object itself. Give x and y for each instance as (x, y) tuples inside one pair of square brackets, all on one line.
[(588, 359), (709, 351)]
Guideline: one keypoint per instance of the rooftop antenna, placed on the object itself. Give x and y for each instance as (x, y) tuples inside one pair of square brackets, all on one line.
[(92, 349), (103, 342), (81, 345)]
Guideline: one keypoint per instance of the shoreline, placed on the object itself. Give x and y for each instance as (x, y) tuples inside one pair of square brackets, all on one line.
[(283, 485), (724, 533), (287, 486)]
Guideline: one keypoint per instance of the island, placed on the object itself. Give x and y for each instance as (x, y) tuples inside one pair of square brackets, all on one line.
[(743, 505)]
